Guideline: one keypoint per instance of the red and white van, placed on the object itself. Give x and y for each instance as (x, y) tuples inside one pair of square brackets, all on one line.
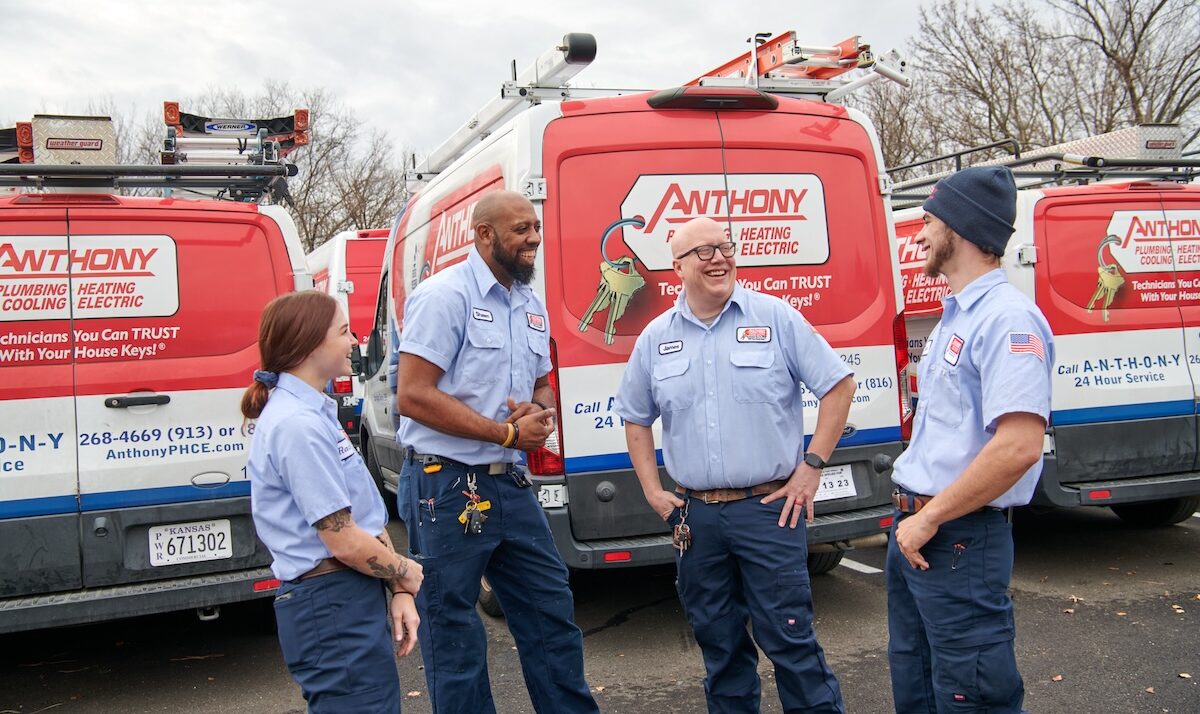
[(801, 186), (128, 332), (1123, 426), (347, 266)]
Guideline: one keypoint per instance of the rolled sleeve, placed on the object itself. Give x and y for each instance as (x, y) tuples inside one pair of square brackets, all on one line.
[(1014, 382), (433, 325), (309, 466), (816, 363), (635, 397)]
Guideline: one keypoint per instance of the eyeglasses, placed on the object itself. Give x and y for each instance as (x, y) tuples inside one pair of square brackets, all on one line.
[(706, 252)]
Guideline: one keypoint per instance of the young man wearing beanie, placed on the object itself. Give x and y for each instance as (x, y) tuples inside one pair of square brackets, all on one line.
[(976, 452)]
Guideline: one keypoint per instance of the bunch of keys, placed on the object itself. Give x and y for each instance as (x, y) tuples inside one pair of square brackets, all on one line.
[(473, 515), (1109, 280), (681, 537), (616, 289)]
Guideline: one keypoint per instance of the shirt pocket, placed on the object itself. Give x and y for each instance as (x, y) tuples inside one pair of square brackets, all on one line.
[(483, 358), (671, 389), (756, 377), (539, 349), (943, 396)]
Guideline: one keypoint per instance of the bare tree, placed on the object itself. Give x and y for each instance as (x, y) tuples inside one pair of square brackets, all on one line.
[(1042, 73)]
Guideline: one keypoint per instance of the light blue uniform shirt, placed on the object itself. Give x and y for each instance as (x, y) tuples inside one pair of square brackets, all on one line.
[(729, 394), (981, 362), (302, 468), (491, 344)]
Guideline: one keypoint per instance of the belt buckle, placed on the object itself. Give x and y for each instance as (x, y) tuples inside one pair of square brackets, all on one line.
[(711, 493), (497, 469)]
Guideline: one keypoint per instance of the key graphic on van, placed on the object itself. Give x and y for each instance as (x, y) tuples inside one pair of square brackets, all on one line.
[(616, 288), (1110, 279)]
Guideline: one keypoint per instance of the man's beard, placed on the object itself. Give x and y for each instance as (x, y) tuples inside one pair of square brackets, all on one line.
[(939, 257), (510, 262)]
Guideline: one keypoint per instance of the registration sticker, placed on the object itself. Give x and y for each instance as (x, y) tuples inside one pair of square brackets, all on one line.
[(190, 542), (836, 482)]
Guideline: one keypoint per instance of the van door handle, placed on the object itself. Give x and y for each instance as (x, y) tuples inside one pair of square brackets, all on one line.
[(126, 402)]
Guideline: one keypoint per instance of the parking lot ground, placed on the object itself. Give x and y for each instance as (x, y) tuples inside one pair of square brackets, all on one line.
[(1106, 618)]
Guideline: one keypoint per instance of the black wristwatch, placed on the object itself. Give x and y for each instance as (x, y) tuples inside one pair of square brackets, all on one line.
[(814, 461)]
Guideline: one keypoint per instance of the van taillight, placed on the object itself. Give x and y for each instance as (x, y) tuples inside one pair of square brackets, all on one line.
[(548, 460), (903, 368), (343, 385)]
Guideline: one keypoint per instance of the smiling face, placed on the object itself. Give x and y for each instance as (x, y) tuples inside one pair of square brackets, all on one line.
[(707, 283), (331, 358), (939, 242), (508, 228)]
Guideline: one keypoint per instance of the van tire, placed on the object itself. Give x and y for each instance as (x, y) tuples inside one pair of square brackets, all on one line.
[(488, 602), (389, 499), (820, 563), (1158, 513)]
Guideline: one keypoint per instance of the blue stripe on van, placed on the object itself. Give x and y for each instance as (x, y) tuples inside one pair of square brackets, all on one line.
[(28, 507), (608, 462), (1120, 412), (159, 496)]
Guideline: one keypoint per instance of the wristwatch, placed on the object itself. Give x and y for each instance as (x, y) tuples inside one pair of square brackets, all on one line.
[(814, 461)]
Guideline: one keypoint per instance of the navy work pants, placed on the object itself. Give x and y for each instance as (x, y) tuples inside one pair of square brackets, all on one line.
[(517, 553), (742, 567), (336, 641), (950, 628)]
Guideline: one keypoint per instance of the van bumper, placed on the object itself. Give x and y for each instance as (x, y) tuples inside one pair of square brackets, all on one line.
[(657, 549), (1142, 489), (110, 603)]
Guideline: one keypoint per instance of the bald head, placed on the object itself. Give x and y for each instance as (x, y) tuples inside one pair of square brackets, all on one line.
[(495, 206), (698, 231)]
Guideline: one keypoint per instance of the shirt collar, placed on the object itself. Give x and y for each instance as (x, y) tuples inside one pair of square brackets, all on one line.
[(977, 288), (485, 279), (740, 297), (298, 388)]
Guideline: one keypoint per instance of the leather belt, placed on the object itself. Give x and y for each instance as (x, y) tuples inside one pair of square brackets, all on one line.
[(913, 502), (325, 567), (727, 495), (428, 459)]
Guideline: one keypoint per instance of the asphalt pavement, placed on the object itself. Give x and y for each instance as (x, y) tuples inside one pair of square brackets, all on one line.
[(1106, 619)]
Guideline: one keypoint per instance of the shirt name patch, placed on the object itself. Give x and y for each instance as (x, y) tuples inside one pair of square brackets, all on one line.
[(754, 334), (1026, 343), (537, 322), (668, 348), (953, 350), (480, 314), (345, 448)]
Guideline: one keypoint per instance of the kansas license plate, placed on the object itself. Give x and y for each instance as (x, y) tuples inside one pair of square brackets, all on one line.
[(190, 542), (836, 482), (552, 496)]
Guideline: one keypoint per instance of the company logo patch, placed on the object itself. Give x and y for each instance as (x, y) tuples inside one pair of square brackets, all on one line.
[(345, 448), (537, 322), (754, 334), (669, 348), (480, 314), (953, 350)]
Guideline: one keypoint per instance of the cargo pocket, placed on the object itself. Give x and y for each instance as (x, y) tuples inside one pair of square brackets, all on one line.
[(671, 391), (794, 595), (484, 354), (756, 379)]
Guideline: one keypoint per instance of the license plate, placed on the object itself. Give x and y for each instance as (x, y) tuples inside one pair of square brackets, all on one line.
[(836, 482), (552, 496), (190, 542)]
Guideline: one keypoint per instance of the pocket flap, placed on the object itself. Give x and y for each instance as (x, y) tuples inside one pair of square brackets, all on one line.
[(538, 343), (752, 358), (668, 368), (484, 338)]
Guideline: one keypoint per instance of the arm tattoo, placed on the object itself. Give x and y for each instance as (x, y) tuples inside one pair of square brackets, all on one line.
[(336, 521), (388, 572)]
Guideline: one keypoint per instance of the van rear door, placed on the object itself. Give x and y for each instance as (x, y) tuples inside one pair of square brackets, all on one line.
[(1181, 210), (166, 320), (39, 512), (1123, 397)]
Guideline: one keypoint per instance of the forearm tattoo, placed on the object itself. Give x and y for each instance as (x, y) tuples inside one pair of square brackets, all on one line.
[(336, 521), (388, 572)]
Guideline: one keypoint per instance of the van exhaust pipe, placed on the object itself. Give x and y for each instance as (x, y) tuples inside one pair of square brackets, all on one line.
[(208, 614)]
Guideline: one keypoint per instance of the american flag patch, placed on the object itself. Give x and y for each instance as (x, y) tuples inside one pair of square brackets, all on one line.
[(1026, 343)]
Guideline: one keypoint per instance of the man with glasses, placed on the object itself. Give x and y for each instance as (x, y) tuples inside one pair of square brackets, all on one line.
[(723, 368)]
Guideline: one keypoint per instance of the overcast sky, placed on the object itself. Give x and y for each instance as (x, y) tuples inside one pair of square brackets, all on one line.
[(416, 68)]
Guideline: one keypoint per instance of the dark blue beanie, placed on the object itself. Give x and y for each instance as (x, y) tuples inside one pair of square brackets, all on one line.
[(979, 204)]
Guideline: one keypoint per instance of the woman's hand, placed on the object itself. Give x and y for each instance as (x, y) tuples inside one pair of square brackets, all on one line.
[(404, 622)]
